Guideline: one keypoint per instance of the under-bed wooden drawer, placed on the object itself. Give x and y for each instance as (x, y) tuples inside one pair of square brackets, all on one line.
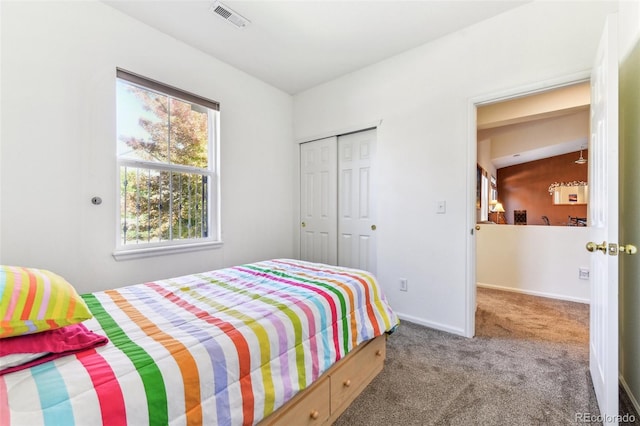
[(310, 408), (325, 400), (351, 376)]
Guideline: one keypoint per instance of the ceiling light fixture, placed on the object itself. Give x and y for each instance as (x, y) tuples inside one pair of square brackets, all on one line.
[(229, 15), (581, 160)]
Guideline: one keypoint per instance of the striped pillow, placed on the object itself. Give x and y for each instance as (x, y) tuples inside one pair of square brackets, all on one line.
[(34, 300)]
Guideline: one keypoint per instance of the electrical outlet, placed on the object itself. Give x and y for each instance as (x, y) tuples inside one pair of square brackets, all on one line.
[(583, 273), (404, 283)]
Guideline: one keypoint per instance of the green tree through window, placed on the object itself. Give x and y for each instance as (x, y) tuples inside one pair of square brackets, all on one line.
[(165, 146)]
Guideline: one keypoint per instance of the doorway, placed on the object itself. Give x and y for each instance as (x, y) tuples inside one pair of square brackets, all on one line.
[(534, 149), (520, 115), (530, 155)]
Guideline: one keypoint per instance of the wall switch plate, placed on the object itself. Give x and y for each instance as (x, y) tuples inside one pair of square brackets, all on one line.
[(404, 284), (441, 207), (583, 273)]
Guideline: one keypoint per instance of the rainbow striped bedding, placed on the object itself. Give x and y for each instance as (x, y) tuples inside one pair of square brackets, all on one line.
[(225, 347)]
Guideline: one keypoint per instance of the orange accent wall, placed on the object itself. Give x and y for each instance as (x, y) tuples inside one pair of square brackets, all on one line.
[(525, 187)]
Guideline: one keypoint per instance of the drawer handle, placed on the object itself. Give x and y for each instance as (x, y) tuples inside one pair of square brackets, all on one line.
[(314, 414), (347, 383), (378, 352)]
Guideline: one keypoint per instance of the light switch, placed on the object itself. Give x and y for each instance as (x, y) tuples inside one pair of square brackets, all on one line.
[(441, 207)]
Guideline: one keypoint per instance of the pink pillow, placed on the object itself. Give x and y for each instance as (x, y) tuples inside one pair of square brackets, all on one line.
[(45, 346)]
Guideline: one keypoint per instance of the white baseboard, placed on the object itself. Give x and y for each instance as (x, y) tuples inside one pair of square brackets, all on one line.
[(632, 397), (535, 293), (430, 324)]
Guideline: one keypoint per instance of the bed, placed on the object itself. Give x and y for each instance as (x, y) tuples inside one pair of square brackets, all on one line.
[(274, 342)]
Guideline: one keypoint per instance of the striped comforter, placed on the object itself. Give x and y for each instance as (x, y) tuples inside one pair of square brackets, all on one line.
[(224, 347)]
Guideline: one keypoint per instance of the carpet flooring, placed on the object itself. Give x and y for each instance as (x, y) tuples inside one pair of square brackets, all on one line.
[(527, 365)]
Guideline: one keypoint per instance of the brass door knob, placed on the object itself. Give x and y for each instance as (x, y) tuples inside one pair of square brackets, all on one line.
[(373, 227), (314, 414), (477, 227), (303, 224), (593, 247)]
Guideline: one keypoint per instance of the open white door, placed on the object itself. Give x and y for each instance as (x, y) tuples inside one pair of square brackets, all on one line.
[(603, 221)]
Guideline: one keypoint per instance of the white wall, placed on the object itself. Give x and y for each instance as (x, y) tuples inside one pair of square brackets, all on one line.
[(538, 260), (484, 156), (58, 144), (424, 148)]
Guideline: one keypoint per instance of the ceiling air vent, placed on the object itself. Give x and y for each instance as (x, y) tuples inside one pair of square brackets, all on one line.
[(229, 15)]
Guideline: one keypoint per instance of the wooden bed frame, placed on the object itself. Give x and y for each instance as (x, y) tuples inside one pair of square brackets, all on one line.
[(330, 395)]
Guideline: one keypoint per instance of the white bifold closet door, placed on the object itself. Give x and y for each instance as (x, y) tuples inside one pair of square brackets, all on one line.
[(318, 201), (338, 200)]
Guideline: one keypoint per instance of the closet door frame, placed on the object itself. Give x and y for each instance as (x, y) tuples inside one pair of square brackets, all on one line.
[(323, 218)]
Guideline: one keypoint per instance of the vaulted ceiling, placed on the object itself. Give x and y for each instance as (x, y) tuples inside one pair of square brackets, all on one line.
[(295, 45), (540, 125)]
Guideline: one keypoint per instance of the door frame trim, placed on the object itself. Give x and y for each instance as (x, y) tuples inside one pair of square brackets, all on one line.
[(472, 159), (343, 131)]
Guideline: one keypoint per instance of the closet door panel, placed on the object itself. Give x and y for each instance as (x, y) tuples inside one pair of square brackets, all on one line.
[(356, 207), (318, 201)]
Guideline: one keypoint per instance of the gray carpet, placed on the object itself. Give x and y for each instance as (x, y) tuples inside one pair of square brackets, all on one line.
[(527, 365)]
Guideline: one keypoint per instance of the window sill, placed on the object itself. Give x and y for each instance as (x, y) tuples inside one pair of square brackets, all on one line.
[(139, 253)]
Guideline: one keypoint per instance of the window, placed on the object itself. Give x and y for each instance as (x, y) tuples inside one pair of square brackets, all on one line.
[(484, 194), (167, 157), (494, 189)]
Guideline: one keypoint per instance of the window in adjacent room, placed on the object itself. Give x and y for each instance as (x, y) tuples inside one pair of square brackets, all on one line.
[(494, 189), (167, 148), (482, 197)]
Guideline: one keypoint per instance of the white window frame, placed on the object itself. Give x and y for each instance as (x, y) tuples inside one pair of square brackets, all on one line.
[(213, 239)]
